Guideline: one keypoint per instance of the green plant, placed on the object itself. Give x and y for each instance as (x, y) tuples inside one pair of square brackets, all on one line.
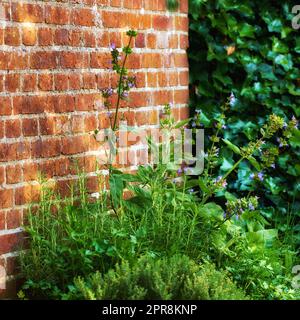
[(249, 49), (177, 277)]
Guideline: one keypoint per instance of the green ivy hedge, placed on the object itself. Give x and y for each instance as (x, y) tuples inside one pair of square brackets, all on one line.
[(250, 49)]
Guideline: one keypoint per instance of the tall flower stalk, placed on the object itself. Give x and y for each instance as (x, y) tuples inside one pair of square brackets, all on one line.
[(124, 85)]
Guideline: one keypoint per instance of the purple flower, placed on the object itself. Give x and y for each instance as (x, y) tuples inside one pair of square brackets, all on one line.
[(224, 184), (186, 170), (224, 126), (295, 120), (109, 114), (125, 94), (113, 46), (251, 207), (232, 99), (260, 176), (191, 191), (107, 92), (252, 176), (179, 171), (194, 124)]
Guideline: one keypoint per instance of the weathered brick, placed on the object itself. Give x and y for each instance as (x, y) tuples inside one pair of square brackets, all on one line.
[(6, 198), (57, 15), (83, 17), (12, 128), (30, 127), (13, 174), (10, 242), (12, 36), (73, 145), (26, 12), (43, 60)]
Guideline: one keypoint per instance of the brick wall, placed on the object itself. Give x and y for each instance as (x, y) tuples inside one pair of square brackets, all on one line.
[(54, 59)]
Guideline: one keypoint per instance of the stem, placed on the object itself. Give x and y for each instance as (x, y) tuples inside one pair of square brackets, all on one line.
[(120, 86)]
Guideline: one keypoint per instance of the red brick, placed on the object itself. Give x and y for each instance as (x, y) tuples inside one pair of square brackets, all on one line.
[(10, 242), (90, 123), (29, 104), (100, 60), (27, 12), (161, 22), (57, 15), (83, 17), (181, 96), (5, 106), (2, 129), (61, 37), (13, 219), (6, 198), (45, 37), (30, 127), (43, 60), (13, 174), (46, 82), (64, 103), (27, 194), (140, 41), (73, 145), (113, 19), (181, 23), (74, 81), (2, 175), (30, 171), (85, 102), (89, 81), (12, 36), (47, 125), (29, 82), (13, 128), (46, 148), (29, 36), (139, 99), (2, 224), (89, 39), (12, 82), (73, 60), (61, 82)]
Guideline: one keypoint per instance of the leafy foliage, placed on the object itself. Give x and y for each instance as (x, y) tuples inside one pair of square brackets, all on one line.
[(177, 277), (249, 49)]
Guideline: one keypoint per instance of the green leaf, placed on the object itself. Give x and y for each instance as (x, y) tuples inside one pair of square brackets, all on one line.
[(116, 189), (182, 123), (254, 162), (233, 147), (202, 185)]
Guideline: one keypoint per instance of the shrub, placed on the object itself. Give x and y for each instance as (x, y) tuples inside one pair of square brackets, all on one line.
[(172, 278), (250, 49)]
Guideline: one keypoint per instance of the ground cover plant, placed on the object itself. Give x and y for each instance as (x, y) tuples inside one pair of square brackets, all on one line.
[(218, 243)]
